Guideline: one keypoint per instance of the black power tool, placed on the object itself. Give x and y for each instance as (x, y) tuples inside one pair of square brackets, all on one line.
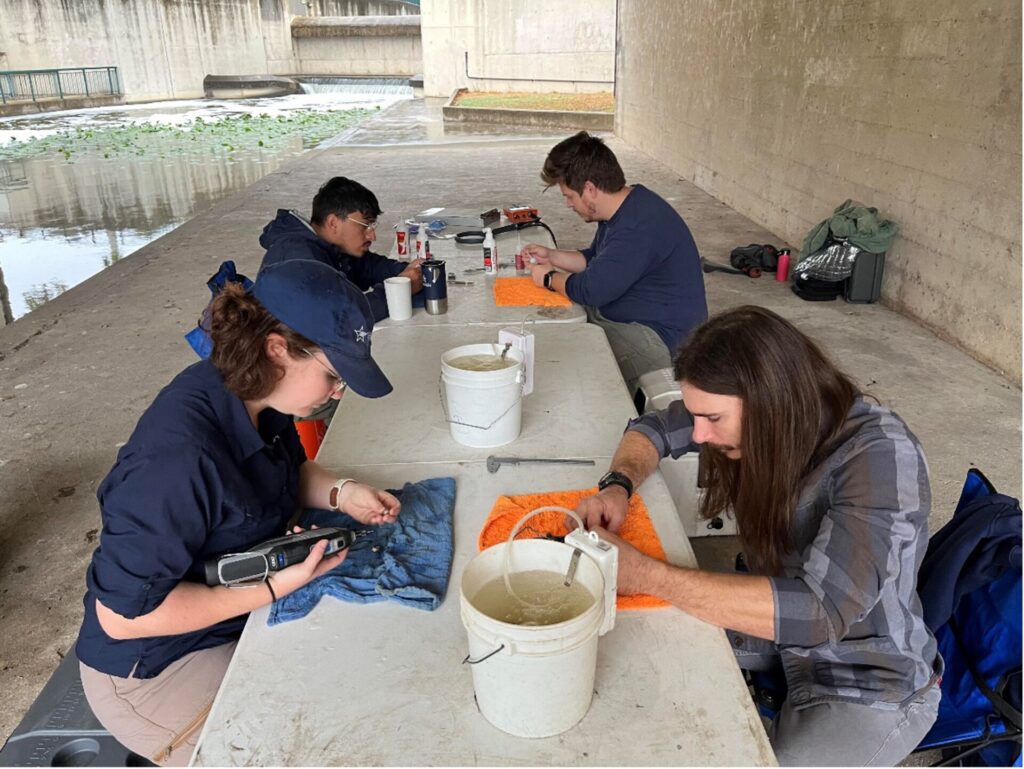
[(273, 555)]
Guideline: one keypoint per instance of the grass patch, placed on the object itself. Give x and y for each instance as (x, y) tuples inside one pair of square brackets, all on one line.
[(222, 137), (570, 102)]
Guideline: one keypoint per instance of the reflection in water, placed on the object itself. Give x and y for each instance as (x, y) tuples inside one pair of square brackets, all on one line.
[(62, 222)]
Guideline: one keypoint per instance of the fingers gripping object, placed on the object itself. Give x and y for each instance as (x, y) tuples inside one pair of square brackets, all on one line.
[(254, 565)]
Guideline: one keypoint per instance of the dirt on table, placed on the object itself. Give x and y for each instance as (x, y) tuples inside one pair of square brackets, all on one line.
[(572, 102)]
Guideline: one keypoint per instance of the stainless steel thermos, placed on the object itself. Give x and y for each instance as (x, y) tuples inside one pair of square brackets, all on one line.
[(435, 287)]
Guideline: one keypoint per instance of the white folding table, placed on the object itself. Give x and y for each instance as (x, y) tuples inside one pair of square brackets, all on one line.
[(383, 684)]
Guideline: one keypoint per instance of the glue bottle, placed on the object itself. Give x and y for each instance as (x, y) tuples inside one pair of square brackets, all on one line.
[(490, 253)]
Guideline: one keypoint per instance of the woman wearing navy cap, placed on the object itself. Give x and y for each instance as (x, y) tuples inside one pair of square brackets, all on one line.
[(215, 466)]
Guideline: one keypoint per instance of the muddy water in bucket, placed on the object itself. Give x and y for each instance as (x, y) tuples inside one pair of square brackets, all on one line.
[(482, 394), (533, 677), (537, 598)]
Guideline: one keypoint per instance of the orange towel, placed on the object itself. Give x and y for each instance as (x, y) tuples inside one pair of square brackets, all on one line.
[(637, 530), (521, 292)]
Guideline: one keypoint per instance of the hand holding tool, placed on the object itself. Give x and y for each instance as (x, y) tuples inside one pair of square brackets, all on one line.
[(255, 564), (493, 462)]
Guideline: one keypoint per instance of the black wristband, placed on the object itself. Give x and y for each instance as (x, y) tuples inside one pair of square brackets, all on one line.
[(613, 478), (273, 595), (547, 279)]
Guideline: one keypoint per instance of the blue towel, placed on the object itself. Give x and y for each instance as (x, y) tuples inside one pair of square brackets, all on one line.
[(412, 563)]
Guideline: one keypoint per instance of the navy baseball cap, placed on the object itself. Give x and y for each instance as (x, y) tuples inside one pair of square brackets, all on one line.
[(321, 304)]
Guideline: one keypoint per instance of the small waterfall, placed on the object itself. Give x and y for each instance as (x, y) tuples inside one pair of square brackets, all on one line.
[(375, 86)]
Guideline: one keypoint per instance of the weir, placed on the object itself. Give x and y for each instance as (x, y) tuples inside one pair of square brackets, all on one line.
[(376, 86)]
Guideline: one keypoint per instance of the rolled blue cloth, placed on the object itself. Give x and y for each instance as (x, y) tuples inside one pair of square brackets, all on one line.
[(411, 565)]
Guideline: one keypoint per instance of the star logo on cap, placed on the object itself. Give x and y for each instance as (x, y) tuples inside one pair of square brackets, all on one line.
[(361, 334)]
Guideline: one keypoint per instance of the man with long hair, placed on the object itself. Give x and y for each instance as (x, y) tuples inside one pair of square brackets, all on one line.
[(640, 279), (831, 499)]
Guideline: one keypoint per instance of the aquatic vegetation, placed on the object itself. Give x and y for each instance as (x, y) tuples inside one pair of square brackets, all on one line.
[(224, 137)]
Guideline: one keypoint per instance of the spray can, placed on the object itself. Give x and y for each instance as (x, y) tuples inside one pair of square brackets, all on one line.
[(426, 248), (400, 241), (520, 263), (782, 269), (490, 253)]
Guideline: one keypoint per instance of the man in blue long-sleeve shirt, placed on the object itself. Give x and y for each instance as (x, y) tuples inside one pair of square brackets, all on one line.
[(339, 233), (640, 279)]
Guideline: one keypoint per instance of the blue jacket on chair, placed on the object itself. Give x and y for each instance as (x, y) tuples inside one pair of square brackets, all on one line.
[(970, 586)]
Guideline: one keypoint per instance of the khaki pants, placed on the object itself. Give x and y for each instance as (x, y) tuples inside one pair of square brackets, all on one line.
[(159, 718), (637, 348)]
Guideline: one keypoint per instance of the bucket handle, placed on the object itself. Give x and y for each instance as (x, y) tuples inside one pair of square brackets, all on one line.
[(485, 657), (442, 393)]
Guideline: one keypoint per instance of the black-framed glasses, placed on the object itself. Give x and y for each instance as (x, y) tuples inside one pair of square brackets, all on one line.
[(340, 385), (365, 225)]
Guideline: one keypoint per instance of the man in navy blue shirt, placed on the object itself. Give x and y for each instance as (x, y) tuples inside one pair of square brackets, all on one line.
[(640, 279), (339, 233)]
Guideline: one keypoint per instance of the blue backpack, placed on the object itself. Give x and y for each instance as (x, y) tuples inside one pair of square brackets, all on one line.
[(970, 587), (199, 337)]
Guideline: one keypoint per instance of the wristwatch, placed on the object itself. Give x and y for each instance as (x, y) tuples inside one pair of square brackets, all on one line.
[(612, 478), (547, 279)]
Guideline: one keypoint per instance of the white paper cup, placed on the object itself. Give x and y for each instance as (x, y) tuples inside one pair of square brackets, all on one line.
[(398, 292)]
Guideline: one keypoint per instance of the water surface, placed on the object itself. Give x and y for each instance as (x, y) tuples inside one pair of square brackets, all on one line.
[(70, 211)]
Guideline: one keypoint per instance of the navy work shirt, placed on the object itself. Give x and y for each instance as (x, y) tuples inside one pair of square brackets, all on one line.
[(196, 479), (290, 236), (643, 267)]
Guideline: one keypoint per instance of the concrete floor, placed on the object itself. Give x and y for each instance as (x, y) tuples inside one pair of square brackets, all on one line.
[(76, 374)]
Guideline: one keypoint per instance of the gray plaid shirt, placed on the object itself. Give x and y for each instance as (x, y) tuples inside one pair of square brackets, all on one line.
[(848, 621)]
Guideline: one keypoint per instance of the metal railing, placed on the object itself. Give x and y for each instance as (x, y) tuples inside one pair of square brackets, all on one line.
[(37, 84)]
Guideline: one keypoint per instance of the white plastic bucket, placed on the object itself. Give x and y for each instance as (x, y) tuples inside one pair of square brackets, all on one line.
[(532, 681), (483, 408)]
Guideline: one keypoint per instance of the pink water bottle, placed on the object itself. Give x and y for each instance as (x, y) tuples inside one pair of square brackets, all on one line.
[(782, 270)]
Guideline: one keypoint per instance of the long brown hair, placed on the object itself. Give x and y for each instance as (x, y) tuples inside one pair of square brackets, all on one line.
[(795, 402), (239, 327)]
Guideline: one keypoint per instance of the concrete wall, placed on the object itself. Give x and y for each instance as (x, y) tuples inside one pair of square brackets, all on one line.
[(358, 45), (518, 45), (163, 49), (784, 109), (362, 8)]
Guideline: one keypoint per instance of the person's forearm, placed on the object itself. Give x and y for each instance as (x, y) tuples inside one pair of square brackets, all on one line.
[(736, 601), (636, 458), (570, 261), (315, 485), (189, 606)]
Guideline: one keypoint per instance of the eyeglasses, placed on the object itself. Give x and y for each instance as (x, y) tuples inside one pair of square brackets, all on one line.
[(340, 385), (365, 225)]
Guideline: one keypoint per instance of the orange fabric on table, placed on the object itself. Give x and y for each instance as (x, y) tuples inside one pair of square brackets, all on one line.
[(637, 530), (522, 292)]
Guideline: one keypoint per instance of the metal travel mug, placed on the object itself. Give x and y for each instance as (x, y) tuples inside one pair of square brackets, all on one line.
[(435, 286)]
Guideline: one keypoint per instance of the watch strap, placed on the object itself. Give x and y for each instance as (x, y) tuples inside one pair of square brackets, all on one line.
[(613, 478), (547, 279), (334, 498)]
